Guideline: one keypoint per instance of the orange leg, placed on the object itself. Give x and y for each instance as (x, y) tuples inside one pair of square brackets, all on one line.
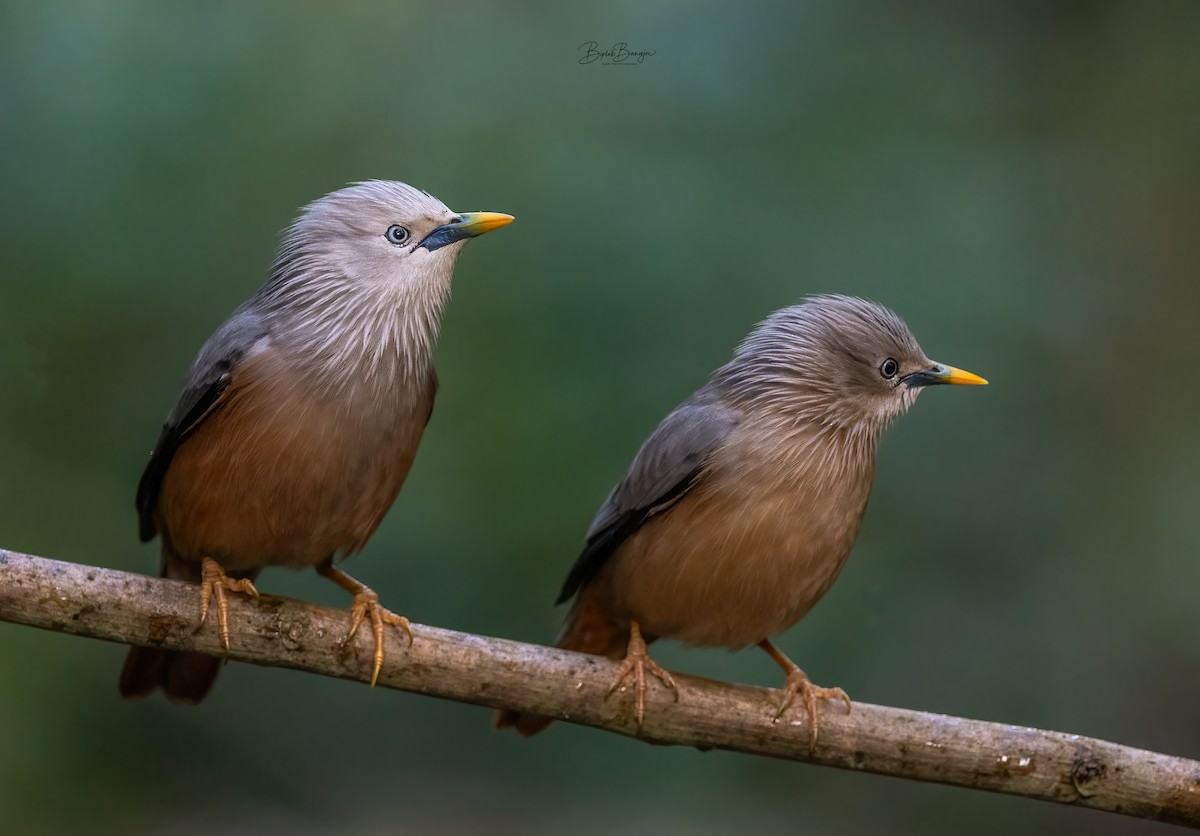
[(798, 682), (637, 662), (366, 602), (214, 581)]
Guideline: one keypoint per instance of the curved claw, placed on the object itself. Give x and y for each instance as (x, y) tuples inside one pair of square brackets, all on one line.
[(367, 602), (637, 661), (798, 682), (214, 581)]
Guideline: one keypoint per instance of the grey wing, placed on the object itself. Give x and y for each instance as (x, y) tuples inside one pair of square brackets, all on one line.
[(664, 469), (201, 394)]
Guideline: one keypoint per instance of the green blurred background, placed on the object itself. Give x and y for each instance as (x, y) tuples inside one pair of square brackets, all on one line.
[(1018, 180)]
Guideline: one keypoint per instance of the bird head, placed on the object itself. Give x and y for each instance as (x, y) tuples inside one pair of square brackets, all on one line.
[(379, 236), (364, 272), (836, 361)]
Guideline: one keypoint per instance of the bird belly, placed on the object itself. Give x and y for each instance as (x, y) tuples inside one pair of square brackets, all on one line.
[(730, 569), (282, 478)]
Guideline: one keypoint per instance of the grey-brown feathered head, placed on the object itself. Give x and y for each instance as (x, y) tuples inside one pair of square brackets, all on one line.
[(835, 362), (363, 273)]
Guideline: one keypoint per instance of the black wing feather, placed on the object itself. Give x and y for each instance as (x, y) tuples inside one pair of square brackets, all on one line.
[(667, 466), (207, 379)]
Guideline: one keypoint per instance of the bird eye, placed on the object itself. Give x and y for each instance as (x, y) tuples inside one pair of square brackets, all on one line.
[(396, 234), (889, 368)]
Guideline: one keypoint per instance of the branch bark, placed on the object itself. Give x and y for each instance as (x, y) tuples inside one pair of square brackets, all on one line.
[(1052, 766)]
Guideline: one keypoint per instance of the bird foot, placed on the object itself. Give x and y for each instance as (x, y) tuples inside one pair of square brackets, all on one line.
[(637, 662), (798, 683), (214, 581), (366, 603)]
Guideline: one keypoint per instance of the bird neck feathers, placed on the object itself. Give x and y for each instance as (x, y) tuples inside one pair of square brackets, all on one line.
[(803, 440), (349, 334), (809, 424)]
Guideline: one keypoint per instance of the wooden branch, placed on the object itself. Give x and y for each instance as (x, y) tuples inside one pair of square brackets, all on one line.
[(1053, 766)]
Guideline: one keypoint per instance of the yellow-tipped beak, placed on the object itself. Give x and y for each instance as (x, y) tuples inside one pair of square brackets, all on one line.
[(477, 223), (940, 373), (467, 225), (949, 374)]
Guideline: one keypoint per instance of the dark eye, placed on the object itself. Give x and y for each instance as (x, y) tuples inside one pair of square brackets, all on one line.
[(889, 368), (396, 234)]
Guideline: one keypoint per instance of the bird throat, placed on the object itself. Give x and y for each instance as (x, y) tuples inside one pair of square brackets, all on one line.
[(367, 340)]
